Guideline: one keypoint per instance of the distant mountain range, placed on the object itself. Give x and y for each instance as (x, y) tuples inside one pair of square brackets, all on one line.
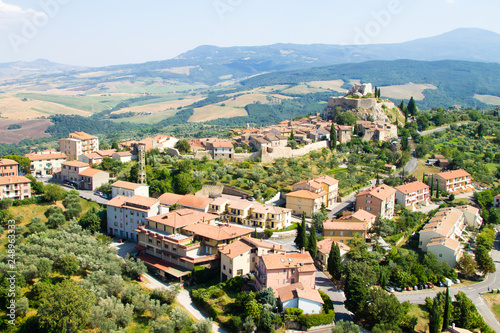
[(212, 65)]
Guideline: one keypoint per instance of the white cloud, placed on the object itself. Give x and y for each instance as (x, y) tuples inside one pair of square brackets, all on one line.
[(13, 14)]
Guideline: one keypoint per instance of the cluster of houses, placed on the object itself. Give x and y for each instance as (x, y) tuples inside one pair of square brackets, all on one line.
[(12, 185)]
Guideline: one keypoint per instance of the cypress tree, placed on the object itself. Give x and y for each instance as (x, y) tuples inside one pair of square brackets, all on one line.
[(432, 186), (313, 242), (301, 238), (335, 262), (333, 137), (412, 108), (447, 310)]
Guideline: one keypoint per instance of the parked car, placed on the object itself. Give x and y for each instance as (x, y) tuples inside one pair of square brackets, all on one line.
[(415, 288), (389, 289), (457, 281), (430, 286), (398, 289), (440, 284), (251, 199)]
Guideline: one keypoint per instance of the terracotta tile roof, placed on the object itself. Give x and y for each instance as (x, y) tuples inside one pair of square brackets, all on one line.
[(194, 201), (305, 194), (123, 153), (126, 185), (443, 221), (169, 198), (6, 161), (325, 246), (241, 204), (77, 164), (453, 174), (412, 187), (182, 217), (360, 215), (288, 260), (137, 202), (219, 201), (14, 180), (90, 172), (234, 249), (327, 180), (340, 225), (42, 156), (497, 196), (469, 208), (92, 155), (381, 192), (81, 136), (219, 233), (222, 144), (448, 242), (106, 152), (266, 209), (260, 243)]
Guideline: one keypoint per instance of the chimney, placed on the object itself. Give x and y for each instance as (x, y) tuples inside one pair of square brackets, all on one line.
[(229, 251)]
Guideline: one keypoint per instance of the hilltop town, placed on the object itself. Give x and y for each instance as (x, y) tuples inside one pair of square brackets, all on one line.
[(267, 227)]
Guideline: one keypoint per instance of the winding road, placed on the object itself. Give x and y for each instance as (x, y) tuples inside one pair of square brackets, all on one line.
[(472, 291)]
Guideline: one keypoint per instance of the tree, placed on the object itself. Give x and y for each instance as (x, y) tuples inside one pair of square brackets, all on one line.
[(412, 108), (466, 265), (481, 130), (56, 220), (179, 317), (312, 243), (333, 137), (301, 238), (66, 306), (68, 265), (183, 146), (24, 162), (202, 326), (53, 193), (465, 314), (35, 185), (90, 221), (37, 225), (432, 187), (485, 263), (115, 145), (447, 310), (335, 262), (356, 293), (342, 326)]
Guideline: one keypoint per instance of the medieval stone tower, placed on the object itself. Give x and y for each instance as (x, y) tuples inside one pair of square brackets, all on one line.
[(141, 172)]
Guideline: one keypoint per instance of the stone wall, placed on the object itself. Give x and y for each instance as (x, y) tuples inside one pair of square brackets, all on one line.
[(200, 153), (173, 152), (210, 190), (365, 103), (287, 152)]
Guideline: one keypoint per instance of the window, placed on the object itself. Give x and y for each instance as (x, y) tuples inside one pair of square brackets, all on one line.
[(239, 272), (224, 267), (230, 271), (440, 255), (150, 240), (341, 233), (293, 281), (284, 271), (284, 281), (116, 224), (293, 271), (331, 233)]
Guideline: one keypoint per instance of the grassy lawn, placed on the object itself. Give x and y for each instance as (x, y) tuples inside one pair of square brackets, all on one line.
[(422, 315), (493, 301), (24, 214), (427, 169)]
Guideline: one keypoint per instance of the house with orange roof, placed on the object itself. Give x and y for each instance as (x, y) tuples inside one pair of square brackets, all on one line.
[(324, 248), (302, 297), (128, 189), (378, 200), (124, 156), (15, 187), (496, 201), (221, 149), (411, 194), (241, 256), (45, 163), (324, 185), (359, 216), (343, 232), (70, 170), (78, 143), (90, 179), (126, 214), (305, 201), (282, 269), (452, 181), (194, 202), (90, 158), (8, 167)]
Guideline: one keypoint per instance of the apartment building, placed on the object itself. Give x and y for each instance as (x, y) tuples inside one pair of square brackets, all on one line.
[(443, 233), (359, 216), (15, 187), (241, 256), (282, 269), (378, 200), (70, 171), (321, 185), (452, 181), (90, 179), (128, 189), (78, 143), (305, 201), (127, 214), (8, 167), (185, 238), (411, 194), (45, 163)]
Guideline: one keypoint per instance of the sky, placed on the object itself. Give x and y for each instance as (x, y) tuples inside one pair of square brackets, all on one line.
[(111, 32)]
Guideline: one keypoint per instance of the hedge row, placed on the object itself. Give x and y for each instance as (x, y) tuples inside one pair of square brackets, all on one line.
[(311, 320)]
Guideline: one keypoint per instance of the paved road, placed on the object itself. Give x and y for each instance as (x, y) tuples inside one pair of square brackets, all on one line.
[(440, 129), (336, 294), (473, 291)]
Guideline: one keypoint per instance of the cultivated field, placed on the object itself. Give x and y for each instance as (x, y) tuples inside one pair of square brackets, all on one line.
[(153, 118), (215, 111), (488, 99), (15, 108), (160, 107), (244, 100), (406, 91), (335, 85), (303, 89), (269, 89), (31, 129)]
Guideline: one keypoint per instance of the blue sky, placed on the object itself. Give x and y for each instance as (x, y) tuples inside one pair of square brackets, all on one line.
[(107, 32)]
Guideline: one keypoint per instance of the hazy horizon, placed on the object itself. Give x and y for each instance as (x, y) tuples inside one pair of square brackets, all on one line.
[(115, 32)]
